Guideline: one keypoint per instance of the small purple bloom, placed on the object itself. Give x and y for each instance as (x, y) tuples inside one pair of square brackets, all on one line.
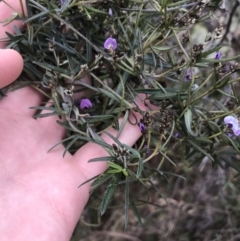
[(110, 12), (110, 43), (232, 123), (85, 104), (142, 126), (188, 75), (231, 120), (218, 55), (176, 135), (63, 1)]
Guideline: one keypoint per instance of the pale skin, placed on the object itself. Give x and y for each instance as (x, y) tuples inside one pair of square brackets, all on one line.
[(39, 194)]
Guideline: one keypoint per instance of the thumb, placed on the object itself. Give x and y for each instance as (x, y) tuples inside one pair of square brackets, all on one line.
[(11, 66)]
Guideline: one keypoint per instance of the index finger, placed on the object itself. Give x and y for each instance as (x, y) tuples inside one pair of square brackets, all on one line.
[(6, 12)]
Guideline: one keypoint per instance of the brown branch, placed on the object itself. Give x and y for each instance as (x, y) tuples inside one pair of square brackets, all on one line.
[(229, 21)]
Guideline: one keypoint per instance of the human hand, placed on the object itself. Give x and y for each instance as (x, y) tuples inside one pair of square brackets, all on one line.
[(40, 199)]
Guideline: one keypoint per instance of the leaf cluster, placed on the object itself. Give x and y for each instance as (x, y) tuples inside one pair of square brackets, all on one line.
[(64, 43)]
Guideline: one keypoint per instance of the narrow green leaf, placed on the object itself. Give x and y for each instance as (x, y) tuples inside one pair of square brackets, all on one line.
[(17, 30), (126, 206), (124, 121), (102, 178), (68, 49), (109, 94), (30, 34), (167, 157), (226, 94), (214, 126), (157, 190), (195, 146), (134, 177), (105, 158), (230, 162), (222, 107), (220, 60), (210, 51), (69, 145), (166, 96), (125, 35), (188, 123), (135, 210), (89, 180), (176, 175), (83, 138), (170, 58), (113, 137), (177, 3), (203, 139), (124, 171), (88, 46), (52, 67), (41, 14), (45, 115), (113, 171), (88, 86), (120, 85), (114, 165), (229, 139), (94, 9), (61, 142), (221, 83), (140, 167), (109, 193), (162, 48)]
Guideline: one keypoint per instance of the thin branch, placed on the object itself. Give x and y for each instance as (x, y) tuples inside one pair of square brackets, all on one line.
[(229, 22)]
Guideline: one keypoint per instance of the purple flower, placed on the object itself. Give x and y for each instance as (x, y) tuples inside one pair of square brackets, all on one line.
[(232, 123), (176, 135), (110, 43), (63, 1), (188, 75), (142, 126), (85, 104), (110, 12), (218, 55), (231, 120)]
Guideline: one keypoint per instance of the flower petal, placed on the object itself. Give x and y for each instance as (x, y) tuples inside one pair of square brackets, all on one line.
[(236, 132), (85, 103), (218, 55), (231, 120), (141, 126), (110, 43), (110, 12)]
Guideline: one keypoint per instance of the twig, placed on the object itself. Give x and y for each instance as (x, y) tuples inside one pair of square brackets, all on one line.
[(229, 21)]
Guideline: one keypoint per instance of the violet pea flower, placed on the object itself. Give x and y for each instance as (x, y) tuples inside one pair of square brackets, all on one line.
[(188, 75), (142, 126), (218, 55), (176, 135), (85, 104), (110, 12), (232, 123), (110, 43)]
